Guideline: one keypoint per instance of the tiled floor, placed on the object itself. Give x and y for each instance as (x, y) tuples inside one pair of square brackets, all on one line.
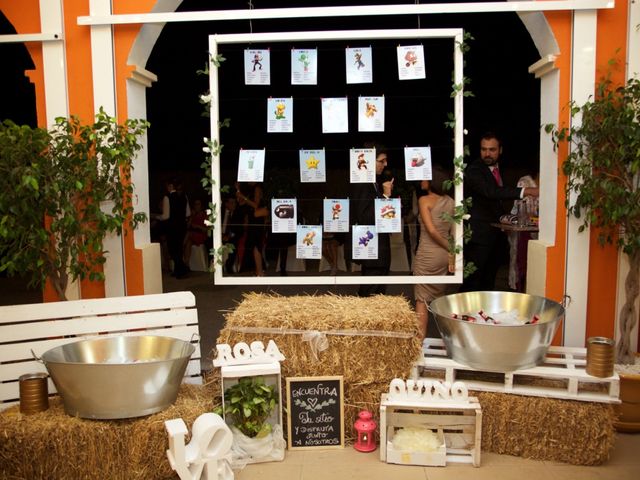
[(347, 463)]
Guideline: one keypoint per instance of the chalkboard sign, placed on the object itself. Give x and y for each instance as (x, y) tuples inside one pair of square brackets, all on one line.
[(315, 413)]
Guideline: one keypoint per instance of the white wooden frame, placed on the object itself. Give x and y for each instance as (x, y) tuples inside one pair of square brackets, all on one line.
[(455, 34)]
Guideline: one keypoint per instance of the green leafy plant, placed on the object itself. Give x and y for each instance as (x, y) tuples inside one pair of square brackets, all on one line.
[(249, 403), (61, 191), (602, 169)]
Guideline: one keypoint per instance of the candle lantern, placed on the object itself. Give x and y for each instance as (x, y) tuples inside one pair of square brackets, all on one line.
[(366, 428)]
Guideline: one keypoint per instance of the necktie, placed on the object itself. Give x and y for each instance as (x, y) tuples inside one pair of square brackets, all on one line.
[(496, 175)]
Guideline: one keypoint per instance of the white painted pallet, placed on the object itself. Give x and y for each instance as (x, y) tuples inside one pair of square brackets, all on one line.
[(564, 364), (27, 331)]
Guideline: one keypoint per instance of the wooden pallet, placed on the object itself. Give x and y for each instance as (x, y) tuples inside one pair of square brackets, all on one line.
[(562, 375)]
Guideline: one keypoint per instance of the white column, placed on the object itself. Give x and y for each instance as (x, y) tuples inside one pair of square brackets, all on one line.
[(577, 269), (104, 95), (54, 62)]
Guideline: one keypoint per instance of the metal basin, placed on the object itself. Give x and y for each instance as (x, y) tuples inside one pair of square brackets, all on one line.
[(496, 348), (118, 377)]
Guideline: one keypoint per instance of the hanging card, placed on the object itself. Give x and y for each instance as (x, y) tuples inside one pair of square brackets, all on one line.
[(284, 214), (364, 242), (251, 165), (388, 215), (335, 214), (362, 165), (359, 63), (304, 66), (257, 67), (280, 115), (312, 166), (309, 242), (417, 163), (371, 114), (410, 62), (335, 115)]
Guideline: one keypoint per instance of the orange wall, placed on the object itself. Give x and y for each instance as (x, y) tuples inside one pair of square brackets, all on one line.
[(601, 304), (560, 23)]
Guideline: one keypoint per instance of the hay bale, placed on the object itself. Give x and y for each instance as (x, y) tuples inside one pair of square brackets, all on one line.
[(371, 340), (52, 444), (579, 433)]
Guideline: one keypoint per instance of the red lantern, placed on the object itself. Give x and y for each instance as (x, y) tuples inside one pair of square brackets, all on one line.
[(366, 428)]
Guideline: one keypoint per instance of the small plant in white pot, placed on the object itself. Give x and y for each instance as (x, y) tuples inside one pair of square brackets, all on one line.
[(250, 405)]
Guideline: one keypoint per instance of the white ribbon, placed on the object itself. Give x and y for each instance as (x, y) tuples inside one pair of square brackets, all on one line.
[(318, 342)]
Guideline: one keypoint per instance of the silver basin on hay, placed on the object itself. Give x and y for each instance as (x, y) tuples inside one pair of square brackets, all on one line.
[(496, 348), (118, 377)]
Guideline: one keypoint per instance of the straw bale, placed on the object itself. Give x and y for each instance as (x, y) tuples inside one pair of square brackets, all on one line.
[(579, 433), (52, 444), (367, 361), (361, 357)]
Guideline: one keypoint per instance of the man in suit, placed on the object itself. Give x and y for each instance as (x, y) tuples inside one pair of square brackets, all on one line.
[(483, 183), (362, 207)]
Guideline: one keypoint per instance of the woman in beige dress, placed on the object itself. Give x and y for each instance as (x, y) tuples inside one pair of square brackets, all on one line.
[(432, 255)]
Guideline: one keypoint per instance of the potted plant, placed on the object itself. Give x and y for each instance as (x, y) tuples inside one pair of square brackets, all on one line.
[(249, 405), (61, 192), (603, 171)]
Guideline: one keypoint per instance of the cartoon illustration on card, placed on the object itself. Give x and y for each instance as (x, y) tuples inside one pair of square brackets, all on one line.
[(388, 215), (335, 215), (364, 242), (251, 165), (417, 163), (283, 215), (362, 162), (312, 166), (257, 68), (304, 67), (371, 114), (359, 65), (280, 115), (411, 64), (309, 242)]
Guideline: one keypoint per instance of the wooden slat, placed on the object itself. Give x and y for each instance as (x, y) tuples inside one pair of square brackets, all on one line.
[(94, 324), (98, 306), (22, 351)]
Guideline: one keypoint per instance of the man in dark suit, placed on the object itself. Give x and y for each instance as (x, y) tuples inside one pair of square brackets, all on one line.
[(483, 183), (362, 207)]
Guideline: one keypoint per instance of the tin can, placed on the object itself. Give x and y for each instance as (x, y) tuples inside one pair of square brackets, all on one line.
[(34, 393), (600, 356)]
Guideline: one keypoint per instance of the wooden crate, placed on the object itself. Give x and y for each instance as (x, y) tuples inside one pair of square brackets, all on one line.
[(460, 423)]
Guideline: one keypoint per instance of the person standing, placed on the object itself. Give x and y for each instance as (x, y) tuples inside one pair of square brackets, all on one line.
[(483, 183), (257, 215), (363, 197), (432, 254), (175, 211)]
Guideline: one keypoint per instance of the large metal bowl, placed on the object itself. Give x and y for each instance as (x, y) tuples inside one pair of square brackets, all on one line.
[(496, 348), (118, 377)]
